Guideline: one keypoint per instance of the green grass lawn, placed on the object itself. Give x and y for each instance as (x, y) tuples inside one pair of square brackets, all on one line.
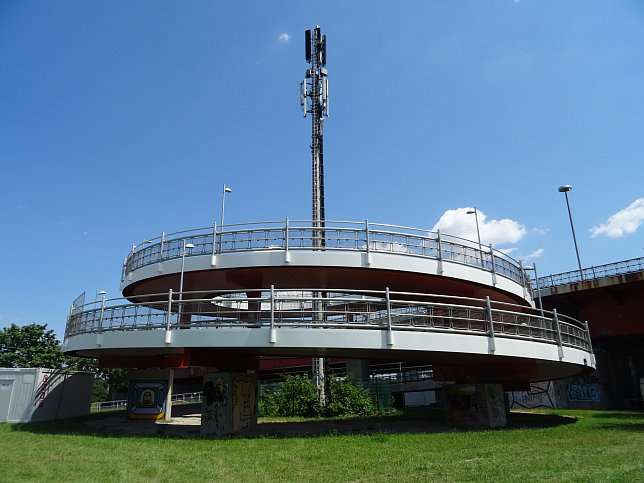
[(599, 446)]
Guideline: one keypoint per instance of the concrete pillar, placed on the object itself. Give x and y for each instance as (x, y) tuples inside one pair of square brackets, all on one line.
[(475, 405), (358, 369), (168, 399), (229, 402), (149, 394)]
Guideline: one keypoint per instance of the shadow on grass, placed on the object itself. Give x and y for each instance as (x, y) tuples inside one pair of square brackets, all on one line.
[(186, 425), (628, 420), (527, 420), (622, 415)]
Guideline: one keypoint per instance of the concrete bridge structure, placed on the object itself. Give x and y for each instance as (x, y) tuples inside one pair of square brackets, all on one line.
[(611, 299), (222, 299)]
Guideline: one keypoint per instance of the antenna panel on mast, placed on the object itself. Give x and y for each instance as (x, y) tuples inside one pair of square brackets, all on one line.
[(323, 50), (307, 43)]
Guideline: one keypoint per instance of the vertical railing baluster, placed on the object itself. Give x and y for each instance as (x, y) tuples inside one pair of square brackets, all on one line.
[(168, 334), (558, 332), (390, 338), (273, 334), (368, 240), (493, 265), (490, 321), (440, 252)]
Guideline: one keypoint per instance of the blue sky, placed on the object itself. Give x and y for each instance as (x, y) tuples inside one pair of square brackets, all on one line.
[(120, 120)]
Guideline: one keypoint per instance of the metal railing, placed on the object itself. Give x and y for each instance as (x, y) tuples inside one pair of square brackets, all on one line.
[(337, 235), (601, 271), (185, 398), (337, 309)]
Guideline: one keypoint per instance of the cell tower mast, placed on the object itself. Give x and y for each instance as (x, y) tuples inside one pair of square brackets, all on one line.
[(314, 98), (315, 88)]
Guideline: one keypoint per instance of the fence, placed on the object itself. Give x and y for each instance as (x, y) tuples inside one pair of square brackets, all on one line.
[(334, 236), (185, 398), (601, 271), (313, 309)]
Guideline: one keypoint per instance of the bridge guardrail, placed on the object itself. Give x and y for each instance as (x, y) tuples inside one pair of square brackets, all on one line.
[(345, 309), (336, 235), (592, 273)]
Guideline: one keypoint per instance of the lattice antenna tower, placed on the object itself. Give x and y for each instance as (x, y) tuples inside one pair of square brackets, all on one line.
[(314, 98)]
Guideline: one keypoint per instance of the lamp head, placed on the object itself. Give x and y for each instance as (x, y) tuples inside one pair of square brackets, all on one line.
[(565, 188)]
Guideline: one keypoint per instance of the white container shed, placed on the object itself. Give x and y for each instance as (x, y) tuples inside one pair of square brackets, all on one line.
[(37, 394)]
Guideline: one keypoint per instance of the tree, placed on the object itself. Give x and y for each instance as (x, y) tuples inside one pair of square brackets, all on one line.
[(34, 346), (30, 346)]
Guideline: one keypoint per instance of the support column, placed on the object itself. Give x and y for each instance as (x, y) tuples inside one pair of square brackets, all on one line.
[(358, 369), (475, 405), (149, 395), (229, 402)]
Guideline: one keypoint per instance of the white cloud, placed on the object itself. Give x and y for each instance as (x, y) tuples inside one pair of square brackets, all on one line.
[(497, 232), (535, 254), (284, 38), (623, 222)]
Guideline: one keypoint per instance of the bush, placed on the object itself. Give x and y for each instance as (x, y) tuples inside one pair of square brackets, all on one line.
[(296, 396), (346, 397)]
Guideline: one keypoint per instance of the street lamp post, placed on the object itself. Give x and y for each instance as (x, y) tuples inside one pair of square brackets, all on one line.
[(476, 217), (183, 260), (564, 189), (225, 190)]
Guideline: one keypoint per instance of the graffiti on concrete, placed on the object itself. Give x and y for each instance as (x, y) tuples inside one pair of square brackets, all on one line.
[(229, 403), (585, 392), (540, 395), (146, 399), (214, 416), (585, 389), (244, 402)]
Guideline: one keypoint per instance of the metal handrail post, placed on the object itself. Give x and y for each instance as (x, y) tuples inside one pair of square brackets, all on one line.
[(559, 339), (524, 281), (440, 252), (287, 255), (286, 234), (493, 261), (167, 327), (390, 339), (367, 239), (272, 334), (536, 277), (490, 320), (221, 228), (100, 320), (590, 342), (161, 246), (214, 238)]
